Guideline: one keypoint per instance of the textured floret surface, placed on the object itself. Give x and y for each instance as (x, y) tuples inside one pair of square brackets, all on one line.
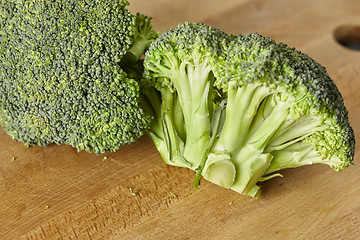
[(60, 77)]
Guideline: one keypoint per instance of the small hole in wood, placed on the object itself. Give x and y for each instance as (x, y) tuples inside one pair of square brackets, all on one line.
[(348, 36)]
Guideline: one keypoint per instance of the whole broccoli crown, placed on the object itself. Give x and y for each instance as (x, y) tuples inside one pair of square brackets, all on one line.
[(193, 43), (61, 81), (300, 80)]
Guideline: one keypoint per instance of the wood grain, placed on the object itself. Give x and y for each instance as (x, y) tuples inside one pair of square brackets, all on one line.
[(57, 193)]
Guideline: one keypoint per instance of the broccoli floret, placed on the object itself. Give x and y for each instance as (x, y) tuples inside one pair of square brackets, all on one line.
[(282, 111), (61, 77), (237, 109), (144, 34), (179, 65)]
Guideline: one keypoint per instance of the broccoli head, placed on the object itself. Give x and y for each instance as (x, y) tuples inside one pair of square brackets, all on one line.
[(282, 111), (236, 109), (62, 74)]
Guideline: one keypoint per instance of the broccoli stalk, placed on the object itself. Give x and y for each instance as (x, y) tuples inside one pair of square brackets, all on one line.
[(189, 104), (246, 148), (144, 34), (256, 125)]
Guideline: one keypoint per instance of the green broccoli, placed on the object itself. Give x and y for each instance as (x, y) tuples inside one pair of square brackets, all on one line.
[(282, 111), (180, 65), (236, 109), (63, 68)]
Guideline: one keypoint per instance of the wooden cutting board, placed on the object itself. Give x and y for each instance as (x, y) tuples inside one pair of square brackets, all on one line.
[(56, 193)]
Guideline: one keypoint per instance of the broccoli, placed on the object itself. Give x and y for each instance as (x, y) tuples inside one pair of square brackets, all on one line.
[(237, 109), (64, 72), (179, 63)]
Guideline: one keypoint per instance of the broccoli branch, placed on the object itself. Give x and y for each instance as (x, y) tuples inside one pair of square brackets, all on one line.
[(259, 135)]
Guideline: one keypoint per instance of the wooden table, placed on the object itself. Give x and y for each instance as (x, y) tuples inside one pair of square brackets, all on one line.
[(57, 193)]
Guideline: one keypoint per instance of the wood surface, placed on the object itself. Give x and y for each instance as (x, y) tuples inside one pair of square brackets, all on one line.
[(56, 193)]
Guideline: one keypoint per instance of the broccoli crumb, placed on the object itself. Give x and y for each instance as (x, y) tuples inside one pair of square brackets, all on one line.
[(133, 193)]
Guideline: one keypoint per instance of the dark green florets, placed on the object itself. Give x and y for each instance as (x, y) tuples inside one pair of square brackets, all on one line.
[(61, 80)]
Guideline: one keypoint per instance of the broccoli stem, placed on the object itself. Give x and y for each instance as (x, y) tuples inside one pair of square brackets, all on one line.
[(193, 82), (246, 147), (296, 155), (137, 49), (262, 137), (179, 122), (294, 132), (135, 52), (242, 106), (167, 142), (191, 106), (251, 162), (175, 145), (150, 102), (216, 125)]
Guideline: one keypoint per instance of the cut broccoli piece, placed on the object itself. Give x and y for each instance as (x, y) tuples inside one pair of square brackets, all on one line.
[(61, 77), (283, 111), (239, 108)]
